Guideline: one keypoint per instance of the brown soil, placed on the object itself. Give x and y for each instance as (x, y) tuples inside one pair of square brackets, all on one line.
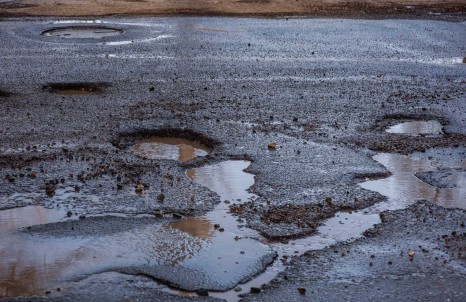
[(327, 8)]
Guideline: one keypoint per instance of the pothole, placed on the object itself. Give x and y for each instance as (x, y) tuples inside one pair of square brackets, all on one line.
[(4, 94), (403, 188), (173, 148), (415, 128), (75, 88), (82, 32)]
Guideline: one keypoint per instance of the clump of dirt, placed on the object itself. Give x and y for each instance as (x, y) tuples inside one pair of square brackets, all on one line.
[(75, 88)]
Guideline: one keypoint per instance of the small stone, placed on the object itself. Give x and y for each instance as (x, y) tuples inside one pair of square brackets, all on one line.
[(152, 89), (47, 292), (69, 214), (272, 146), (139, 188), (221, 229), (216, 226), (302, 290), (238, 289)]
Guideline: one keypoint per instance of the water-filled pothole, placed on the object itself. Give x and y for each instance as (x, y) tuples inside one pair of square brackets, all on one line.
[(217, 245), (83, 32), (431, 127), (4, 94), (173, 148), (403, 188), (75, 88)]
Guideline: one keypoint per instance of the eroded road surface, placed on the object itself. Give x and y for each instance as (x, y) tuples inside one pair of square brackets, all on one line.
[(227, 158)]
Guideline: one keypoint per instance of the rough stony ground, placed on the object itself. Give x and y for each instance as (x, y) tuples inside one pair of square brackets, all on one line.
[(323, 90), (321, 8), (416, 254)]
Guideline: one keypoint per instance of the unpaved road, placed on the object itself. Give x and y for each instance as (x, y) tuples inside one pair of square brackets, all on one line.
[(306, 101), (328, 8)]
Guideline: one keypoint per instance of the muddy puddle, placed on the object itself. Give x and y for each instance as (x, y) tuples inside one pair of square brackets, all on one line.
[(416, 128), (169, 148), (82, 32), (216, 248)]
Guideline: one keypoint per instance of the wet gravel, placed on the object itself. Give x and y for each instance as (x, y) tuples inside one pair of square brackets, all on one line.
[(416, 254)]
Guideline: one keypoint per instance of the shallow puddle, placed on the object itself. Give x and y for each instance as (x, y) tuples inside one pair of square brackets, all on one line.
[(173, 148), (83, 32), (227, 179), (417, 128)]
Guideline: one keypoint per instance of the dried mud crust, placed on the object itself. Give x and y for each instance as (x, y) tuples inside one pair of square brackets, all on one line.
[(324, 8), (416, 252)]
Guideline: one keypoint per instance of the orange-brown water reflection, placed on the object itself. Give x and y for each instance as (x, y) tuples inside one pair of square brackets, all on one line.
[(169, 148)]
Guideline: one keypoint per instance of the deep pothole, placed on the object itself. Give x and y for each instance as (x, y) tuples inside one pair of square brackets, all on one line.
[(83, 32), (416, 128), (75, 88)]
